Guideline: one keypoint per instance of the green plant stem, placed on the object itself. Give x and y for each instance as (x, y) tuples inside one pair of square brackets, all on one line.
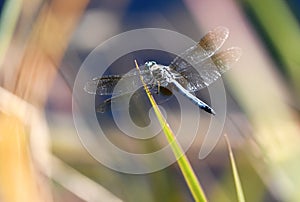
[(183, 162)]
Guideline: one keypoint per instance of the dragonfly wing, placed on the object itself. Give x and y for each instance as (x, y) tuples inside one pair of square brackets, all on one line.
[(224, 59), (127, 83), (161, 97), (102, 107), (103, 85), (202, 79), (206, 72), (205, 48)]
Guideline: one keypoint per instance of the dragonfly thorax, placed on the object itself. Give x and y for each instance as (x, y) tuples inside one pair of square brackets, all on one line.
[(162, 75)]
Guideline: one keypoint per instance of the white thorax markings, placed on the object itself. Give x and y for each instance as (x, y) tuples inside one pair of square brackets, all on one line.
[(162, 75)]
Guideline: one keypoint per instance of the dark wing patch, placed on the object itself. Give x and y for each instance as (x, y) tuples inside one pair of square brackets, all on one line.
[(224, 59), (205, 48)]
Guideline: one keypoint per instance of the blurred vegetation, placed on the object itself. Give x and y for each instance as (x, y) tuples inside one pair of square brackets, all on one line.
[(282, 29), (42, 45)]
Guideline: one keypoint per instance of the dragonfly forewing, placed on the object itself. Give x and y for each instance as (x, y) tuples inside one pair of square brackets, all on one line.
[(205, 48)]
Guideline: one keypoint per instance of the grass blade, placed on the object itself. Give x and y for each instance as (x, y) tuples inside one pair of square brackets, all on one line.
[(182, 161), (237, 181)]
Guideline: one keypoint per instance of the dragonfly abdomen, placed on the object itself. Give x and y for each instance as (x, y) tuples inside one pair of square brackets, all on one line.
[(193, 98)]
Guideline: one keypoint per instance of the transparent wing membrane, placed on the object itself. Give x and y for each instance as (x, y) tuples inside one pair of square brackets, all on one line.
[(225, 59), (194, 69), (205, 48), (102, 86), (204, 73), (127, 83)]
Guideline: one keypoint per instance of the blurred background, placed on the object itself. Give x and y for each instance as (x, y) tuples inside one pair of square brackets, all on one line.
[(42, 46)]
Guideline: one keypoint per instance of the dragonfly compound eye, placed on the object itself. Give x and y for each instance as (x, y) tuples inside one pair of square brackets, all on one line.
[(150, 63)]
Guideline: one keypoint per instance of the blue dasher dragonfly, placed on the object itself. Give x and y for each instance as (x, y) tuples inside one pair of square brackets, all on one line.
[(191, 71)]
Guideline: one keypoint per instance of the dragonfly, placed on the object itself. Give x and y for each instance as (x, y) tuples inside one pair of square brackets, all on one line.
[(194, 69)]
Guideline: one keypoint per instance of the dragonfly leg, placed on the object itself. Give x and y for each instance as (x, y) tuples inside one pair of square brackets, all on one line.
[(158, 87), (156, 90), (102, 107)]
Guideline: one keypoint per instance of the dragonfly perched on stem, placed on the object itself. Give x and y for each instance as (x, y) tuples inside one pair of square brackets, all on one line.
[(194, 69)]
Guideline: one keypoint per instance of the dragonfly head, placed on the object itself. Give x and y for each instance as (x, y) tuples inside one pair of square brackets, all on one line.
[(150, 64)]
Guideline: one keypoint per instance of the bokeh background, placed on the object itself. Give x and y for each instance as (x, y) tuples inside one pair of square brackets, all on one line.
[(42, 46)]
